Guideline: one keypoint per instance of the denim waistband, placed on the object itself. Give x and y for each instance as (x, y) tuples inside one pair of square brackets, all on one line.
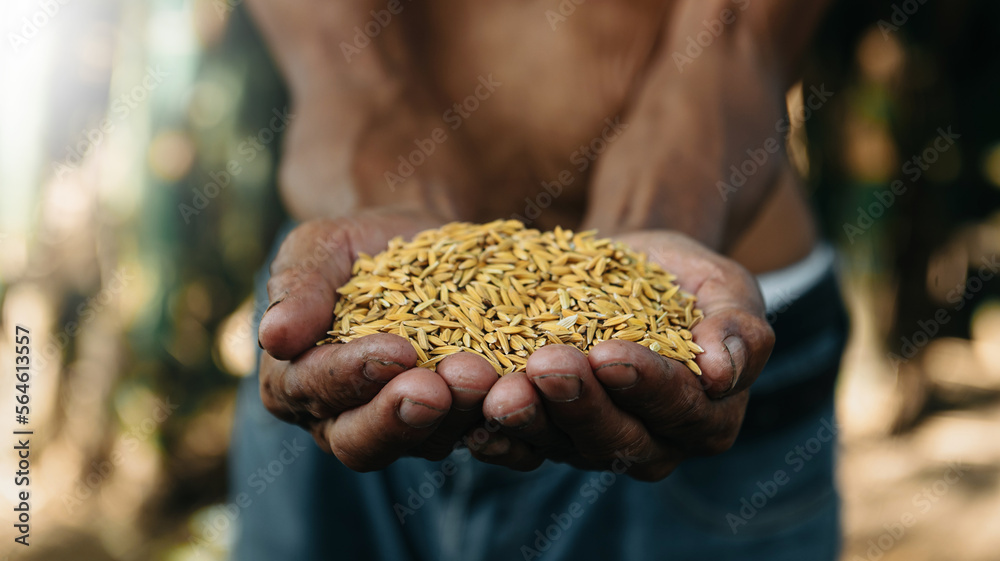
[(810, 335)]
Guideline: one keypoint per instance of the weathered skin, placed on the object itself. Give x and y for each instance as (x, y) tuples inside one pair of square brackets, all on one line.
[(359, 107)]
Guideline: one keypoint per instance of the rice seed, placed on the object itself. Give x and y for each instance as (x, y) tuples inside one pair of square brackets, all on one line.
[(617, 320), (502, 291)]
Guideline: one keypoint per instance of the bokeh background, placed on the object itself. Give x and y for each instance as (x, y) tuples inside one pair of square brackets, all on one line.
[(134, 273)]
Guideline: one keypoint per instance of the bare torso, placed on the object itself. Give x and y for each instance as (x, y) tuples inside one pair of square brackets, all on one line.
[(557, 89)]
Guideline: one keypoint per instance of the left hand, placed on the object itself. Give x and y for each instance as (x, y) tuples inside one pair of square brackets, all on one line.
[(627, 408)]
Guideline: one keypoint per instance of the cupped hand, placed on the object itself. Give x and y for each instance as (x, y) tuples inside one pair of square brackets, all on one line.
[(626, 408), (363, 401)]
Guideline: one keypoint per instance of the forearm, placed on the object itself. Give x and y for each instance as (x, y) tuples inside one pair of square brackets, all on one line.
[(713, 91), (314, 45), (359, 107), (784, 30), (780, 30)]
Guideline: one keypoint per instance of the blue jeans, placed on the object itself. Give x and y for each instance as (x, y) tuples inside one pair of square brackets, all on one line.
[(771, 497)]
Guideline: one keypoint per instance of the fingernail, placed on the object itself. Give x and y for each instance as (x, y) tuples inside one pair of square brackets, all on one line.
[(617, 375), (277, 301), (497, 446), (465, 399), (381, 371), (518, 419), (737, 356), (559, 388), (418, 415)]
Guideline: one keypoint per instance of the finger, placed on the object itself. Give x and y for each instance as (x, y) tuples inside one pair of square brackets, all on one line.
[(469, 378), (737, 345), (735, 335), (330, 379), (667, 397), (516, 406), (507, 451), (313, 261), (577, 404), (397, 420)]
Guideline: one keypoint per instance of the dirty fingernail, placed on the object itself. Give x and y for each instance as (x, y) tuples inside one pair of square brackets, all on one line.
[(276, 301), (617, 375), (465, 399), (737, 356), (559, 387), (381, 371), (518, 419), (418, 415)]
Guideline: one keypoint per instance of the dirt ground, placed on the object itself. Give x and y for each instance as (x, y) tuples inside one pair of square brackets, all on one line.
[(930, 492)]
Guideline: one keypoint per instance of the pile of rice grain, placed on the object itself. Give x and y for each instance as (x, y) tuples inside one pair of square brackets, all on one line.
[(501, 291)]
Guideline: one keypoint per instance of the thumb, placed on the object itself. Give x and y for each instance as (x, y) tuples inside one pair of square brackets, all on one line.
[(313, 261)]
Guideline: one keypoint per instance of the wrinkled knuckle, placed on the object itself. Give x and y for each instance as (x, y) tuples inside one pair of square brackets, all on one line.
[(347, 229), (307, 246), (627, 439), (718, 271), (276, 284), (294, 392), (686, 410)]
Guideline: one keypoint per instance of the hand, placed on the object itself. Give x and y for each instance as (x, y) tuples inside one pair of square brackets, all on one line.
[(363, 401), (627, 408)]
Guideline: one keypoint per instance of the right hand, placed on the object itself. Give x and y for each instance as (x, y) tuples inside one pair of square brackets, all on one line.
[(363, 401)]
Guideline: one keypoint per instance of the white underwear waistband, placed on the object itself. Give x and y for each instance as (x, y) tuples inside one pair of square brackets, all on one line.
[(782, 287)]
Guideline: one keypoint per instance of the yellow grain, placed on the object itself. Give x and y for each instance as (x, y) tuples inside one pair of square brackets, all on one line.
[(502, 291)]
